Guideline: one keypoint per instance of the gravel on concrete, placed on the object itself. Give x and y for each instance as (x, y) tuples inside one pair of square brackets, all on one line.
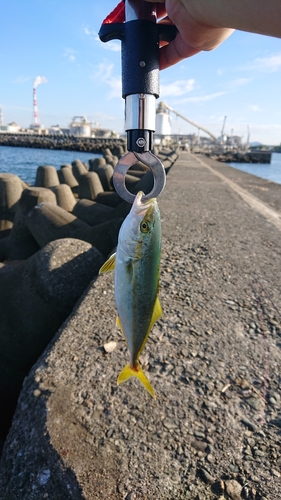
[(213, 359)]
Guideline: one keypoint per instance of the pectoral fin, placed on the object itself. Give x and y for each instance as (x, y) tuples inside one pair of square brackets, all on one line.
[(109, 265), (137, 372)]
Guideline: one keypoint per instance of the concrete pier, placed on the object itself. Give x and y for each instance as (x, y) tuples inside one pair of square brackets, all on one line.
[(213, 359)]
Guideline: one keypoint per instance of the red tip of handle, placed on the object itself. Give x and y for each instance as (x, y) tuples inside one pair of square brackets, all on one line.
[(117, 15)]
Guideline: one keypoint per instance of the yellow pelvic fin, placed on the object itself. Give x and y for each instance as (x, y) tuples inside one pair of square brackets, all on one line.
[(129, 372), (109, 265)]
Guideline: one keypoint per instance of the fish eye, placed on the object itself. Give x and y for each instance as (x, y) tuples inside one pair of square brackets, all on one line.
[(144, 226)]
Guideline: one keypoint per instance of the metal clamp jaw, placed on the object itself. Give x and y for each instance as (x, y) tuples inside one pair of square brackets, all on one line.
[(140, 36), (127, 161)]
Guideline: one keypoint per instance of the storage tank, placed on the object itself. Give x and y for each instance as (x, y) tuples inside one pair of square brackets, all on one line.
[(80, 127), (163, 121)]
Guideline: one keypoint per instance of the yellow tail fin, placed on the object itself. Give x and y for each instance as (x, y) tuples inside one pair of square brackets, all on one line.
[(129, 372)]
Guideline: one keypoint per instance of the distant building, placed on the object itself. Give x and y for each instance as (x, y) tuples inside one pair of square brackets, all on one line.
[(37, 129), (55, 130), (80, 127), (104, 133), (11, 128), (163, 126), (235, 140)]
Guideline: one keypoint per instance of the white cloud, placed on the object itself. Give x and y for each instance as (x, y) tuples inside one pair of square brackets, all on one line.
[(21, 79), (115, 87), (87, 31), (104, 71), (254, 107), (111, 45), (204, 98), (69, 54), (239, 82), (104, 75), (177, 88), (102, 117), (19, 108), (268, 64), (273, 127)]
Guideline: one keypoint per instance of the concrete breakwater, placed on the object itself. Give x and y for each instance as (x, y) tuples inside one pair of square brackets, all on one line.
[(54, 237), (65, 142)]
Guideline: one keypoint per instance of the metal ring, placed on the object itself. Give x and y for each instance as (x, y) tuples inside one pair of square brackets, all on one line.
[(127, 161)]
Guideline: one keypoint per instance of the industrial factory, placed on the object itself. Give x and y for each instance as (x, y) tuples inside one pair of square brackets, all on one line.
[(81, 127), (78, 127), (81, 134)]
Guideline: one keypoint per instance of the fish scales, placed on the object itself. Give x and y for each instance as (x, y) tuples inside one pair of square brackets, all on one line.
[(135, 300)]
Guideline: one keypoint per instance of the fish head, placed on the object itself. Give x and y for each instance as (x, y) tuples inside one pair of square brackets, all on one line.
[(142, 228)]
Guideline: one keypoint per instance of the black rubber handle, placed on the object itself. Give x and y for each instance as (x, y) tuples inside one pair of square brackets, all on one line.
[(140, 53)]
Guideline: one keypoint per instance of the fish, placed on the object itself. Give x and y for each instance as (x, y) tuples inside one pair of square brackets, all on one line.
[(136, 266)]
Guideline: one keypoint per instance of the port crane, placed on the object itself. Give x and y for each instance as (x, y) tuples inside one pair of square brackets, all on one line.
[(223, 127), (162, 105)]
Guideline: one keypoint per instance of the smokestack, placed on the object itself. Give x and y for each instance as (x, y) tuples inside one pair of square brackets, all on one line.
[(35, 109), (38, 81)]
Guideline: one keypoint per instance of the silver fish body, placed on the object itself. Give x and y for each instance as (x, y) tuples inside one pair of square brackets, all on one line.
[(136, 280)]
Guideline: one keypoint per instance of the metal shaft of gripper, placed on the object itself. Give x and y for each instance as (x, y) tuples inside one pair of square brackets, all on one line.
[(140, 74)]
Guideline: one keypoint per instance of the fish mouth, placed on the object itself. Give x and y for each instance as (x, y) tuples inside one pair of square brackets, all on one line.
[(141, 207)]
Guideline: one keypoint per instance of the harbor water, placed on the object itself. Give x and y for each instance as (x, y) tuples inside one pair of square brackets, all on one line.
[(25, 161), (271, 171)]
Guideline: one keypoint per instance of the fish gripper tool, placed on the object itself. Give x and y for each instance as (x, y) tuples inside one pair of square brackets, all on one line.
[(134, 23)]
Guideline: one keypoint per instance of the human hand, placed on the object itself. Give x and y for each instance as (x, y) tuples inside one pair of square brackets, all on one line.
[(196, 32)]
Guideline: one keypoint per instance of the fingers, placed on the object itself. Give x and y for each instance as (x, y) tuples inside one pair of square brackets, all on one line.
[(174, 52), (194, 34)]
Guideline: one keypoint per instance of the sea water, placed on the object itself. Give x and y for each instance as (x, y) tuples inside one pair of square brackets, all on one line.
[(25, 161), (270, 171)]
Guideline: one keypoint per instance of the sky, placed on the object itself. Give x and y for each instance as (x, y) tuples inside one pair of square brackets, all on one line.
[(59, 40)]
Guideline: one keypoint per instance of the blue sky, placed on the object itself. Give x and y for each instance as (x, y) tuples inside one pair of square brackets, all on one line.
[(58, 40)]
